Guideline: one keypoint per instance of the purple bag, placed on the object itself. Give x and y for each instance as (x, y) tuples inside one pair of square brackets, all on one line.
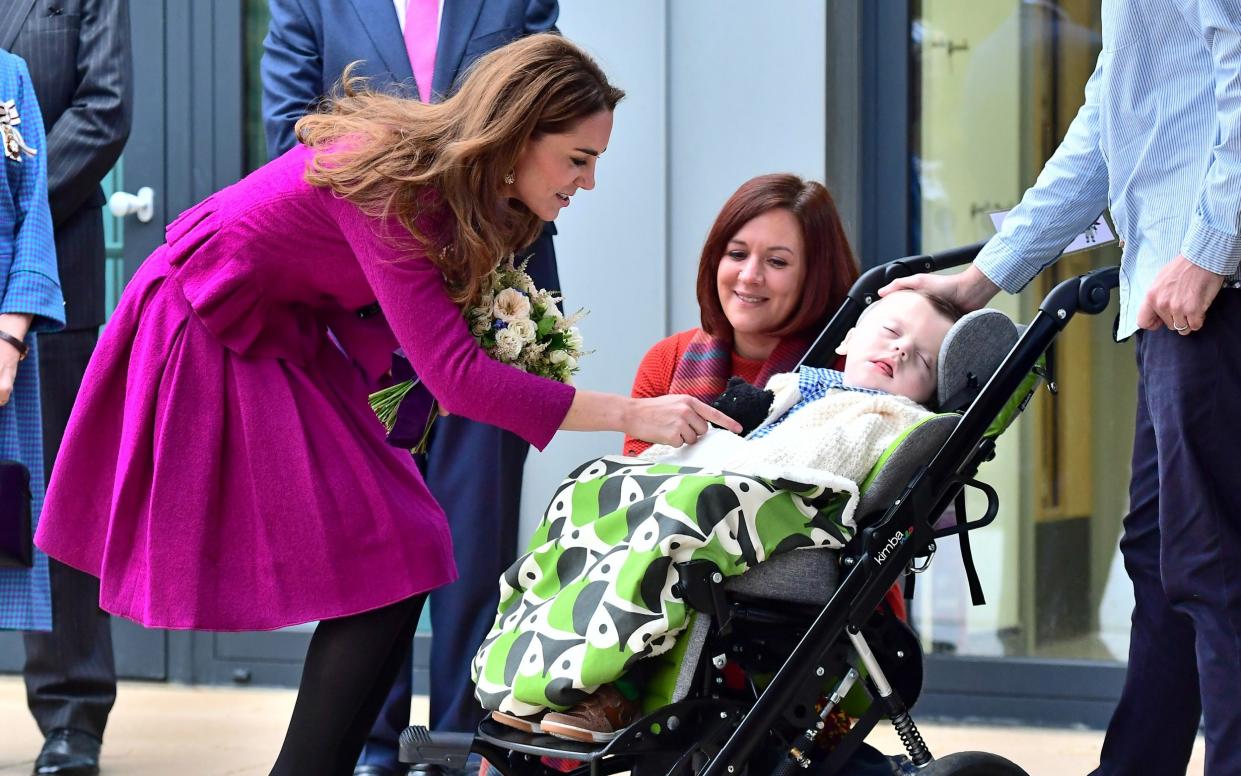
[(16, 542)]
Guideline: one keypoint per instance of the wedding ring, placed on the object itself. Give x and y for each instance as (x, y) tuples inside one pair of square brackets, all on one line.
[(1180, 328)]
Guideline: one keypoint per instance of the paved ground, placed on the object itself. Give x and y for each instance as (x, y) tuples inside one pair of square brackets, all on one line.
[(160, 730)]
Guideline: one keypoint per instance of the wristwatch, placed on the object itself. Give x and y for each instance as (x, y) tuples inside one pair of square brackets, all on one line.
[(21, 347)]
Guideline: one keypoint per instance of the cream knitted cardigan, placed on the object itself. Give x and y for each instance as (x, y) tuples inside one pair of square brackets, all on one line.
[(833, 441)]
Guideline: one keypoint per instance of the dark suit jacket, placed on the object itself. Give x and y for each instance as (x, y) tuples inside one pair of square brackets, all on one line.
[(79, 58), (310, 42)]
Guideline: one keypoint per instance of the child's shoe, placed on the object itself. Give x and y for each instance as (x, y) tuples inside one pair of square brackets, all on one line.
[(599, 718), (524, 724)]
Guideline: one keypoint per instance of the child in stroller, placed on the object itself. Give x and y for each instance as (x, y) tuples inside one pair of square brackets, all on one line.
[(559, 636)]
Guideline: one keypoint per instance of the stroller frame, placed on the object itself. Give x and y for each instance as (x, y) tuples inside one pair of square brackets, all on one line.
[(718, 736)]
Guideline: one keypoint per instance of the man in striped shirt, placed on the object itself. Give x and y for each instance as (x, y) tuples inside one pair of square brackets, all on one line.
[(1158, 140)]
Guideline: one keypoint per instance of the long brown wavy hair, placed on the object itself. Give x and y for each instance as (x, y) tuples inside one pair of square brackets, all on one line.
[(386, 154)]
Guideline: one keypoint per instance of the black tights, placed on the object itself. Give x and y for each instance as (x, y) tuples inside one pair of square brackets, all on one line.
[(350, 667)]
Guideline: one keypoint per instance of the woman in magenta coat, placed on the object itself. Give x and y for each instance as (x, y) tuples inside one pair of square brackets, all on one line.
[(222, 469)]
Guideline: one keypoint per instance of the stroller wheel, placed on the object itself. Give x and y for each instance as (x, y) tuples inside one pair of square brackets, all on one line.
[(972, 764)]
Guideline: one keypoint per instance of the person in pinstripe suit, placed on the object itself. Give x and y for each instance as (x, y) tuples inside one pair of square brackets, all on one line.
[(78, 52)]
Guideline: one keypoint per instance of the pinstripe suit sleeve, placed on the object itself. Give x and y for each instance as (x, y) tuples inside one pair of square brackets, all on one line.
[(33, 286), (292, 70), (87, 139), (1213, 240)]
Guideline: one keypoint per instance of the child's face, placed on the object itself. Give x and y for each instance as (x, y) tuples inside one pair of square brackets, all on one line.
[(895, 347)]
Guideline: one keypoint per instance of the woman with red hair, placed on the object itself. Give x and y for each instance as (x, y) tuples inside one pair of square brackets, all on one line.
[(775, 266)]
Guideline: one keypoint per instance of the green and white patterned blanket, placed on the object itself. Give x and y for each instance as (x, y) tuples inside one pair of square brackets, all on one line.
[(594, 593)]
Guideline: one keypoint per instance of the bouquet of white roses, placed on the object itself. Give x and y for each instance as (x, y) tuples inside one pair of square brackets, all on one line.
[(517, 324)]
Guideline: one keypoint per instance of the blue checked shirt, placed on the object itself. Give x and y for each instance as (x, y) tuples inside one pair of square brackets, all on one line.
[(1158, 140), (813, 383)]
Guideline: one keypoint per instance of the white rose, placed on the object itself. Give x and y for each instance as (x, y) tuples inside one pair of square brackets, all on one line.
[(574, 340), (525, 328), (558, 357), (511, 305), (480, 325), (508, 344)]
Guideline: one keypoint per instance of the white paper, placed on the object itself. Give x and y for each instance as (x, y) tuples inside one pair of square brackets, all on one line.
[(1098, 233)]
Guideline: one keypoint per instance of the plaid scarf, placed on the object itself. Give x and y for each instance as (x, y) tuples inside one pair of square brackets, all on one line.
[(707, 363)]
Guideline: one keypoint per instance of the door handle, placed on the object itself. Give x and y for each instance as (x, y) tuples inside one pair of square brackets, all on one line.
[(142, 204)]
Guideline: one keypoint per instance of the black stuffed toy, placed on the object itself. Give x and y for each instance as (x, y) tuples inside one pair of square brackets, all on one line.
[(744, 403)]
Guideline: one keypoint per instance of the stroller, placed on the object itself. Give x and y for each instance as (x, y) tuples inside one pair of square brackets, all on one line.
[(807, 629)]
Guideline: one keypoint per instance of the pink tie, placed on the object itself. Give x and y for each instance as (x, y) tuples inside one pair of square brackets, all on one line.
[(421, 33)]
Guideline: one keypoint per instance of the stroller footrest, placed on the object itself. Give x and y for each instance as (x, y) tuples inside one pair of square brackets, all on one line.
[(420, 746), (492, 733)]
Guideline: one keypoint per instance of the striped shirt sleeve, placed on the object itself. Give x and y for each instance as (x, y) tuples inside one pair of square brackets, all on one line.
[(1068, 196), (1213, 240)]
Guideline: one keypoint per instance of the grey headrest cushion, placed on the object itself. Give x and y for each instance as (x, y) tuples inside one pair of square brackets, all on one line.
[(914, 450), (973, 349)]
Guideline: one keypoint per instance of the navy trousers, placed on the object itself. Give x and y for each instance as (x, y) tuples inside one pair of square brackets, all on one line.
[(474, 471), (1182, 549)]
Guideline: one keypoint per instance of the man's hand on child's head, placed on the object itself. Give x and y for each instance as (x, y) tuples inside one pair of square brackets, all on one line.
[(969, 290)]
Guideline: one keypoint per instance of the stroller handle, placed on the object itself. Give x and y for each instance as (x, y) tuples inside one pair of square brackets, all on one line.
[(1088, 293), (912, 265)]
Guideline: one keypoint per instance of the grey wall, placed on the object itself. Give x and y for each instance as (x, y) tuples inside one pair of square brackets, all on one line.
[(747, 82), (717, 92)]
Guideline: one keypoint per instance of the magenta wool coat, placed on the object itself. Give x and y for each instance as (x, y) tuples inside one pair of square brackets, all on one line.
[(222, 469)]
